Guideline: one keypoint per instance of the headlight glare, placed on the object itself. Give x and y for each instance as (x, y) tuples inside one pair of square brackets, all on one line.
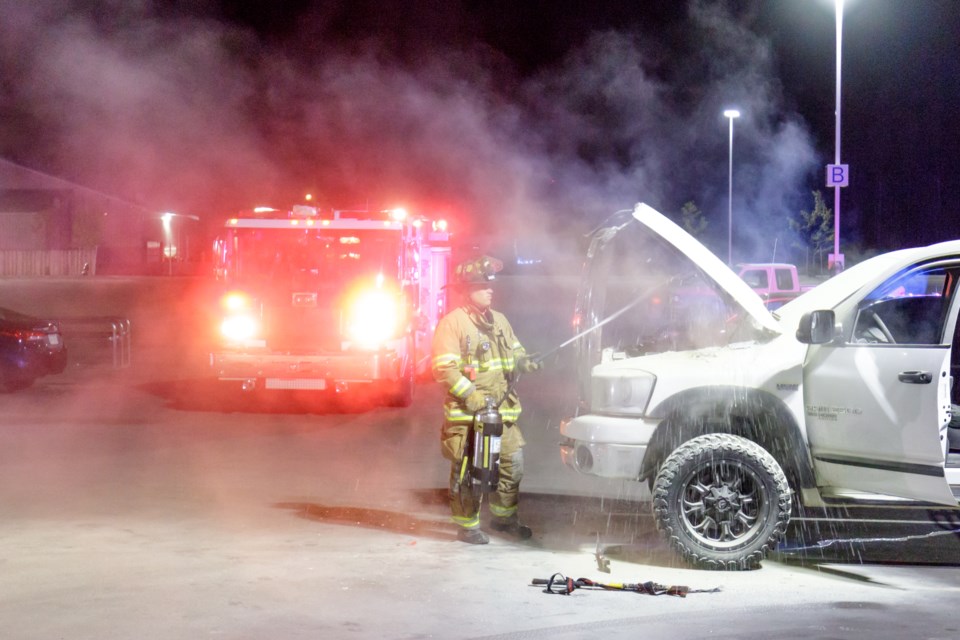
[(235, 301), (374, 318), (239, 327)]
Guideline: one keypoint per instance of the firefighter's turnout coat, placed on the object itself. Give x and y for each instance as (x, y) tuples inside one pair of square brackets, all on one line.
[(476, 352)]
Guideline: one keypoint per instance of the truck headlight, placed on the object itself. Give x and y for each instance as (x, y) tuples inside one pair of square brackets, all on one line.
[(240, 322), (239, 327), (374, 318), (622, 394)]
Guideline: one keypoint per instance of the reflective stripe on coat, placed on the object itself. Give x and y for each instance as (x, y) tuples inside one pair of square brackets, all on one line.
[(466, 339)]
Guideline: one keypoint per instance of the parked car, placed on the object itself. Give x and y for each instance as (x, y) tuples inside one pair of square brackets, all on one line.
[(843, 396), (30, 348)]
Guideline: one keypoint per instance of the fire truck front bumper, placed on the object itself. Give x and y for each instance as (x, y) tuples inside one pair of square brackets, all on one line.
[(317, 372)]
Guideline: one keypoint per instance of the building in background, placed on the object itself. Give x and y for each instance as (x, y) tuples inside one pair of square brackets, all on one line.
[(52, 227)]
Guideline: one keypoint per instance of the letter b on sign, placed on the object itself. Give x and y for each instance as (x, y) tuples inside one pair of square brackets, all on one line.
[(838, 175)]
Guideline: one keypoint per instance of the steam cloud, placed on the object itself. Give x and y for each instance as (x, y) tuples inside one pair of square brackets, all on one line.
[(189, 113)]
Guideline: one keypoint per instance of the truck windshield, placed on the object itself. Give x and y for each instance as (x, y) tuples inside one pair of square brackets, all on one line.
[(312, 256)]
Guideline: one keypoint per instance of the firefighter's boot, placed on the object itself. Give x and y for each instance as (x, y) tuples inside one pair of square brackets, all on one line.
[(512, 527), (472, 536)]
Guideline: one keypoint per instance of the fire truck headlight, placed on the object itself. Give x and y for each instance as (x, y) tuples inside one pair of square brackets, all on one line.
[(239, 328), (374, 318)]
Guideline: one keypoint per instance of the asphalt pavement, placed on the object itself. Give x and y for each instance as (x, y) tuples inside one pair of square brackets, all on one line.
[(149, 502)]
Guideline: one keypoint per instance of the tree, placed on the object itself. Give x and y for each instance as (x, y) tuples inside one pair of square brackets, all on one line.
[(815, 229), (692, 219)]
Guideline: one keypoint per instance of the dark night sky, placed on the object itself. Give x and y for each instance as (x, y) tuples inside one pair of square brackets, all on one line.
[(547, 111), (899, 99)]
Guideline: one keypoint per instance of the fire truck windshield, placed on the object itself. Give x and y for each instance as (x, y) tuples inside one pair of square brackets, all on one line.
[(313, 257)]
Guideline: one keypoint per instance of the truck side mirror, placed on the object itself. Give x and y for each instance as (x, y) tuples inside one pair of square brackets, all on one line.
[(817, 327)]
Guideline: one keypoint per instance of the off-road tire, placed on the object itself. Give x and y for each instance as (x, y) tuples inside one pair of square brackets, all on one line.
[(721, 502)]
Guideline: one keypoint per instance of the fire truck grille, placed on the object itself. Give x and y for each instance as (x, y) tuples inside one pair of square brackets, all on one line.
[(299, 329)]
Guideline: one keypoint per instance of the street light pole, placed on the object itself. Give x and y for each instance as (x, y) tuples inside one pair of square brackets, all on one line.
[(730, 114), (837, 258)]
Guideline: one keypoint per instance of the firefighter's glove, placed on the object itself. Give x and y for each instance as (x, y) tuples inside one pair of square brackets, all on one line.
[(531, 362), (475, 402)]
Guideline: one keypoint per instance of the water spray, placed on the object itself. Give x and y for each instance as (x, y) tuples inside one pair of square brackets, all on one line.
[(644, 295), (487, 428)]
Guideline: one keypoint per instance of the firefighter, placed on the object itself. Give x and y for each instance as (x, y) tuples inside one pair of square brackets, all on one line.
[(475, 356)]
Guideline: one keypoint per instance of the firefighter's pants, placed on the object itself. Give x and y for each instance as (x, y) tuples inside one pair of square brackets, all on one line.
[(464, 499)]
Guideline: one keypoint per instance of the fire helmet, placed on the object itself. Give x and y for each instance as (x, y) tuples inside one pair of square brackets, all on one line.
[(480, 270)]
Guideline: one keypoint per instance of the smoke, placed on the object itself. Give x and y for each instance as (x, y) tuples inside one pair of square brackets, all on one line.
[(186, 111), (637, 127), (151, 110)]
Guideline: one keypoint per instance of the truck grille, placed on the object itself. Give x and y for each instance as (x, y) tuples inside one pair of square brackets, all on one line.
[(302, 328)]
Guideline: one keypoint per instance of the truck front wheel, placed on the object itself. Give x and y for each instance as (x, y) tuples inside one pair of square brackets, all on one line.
[(722, 502)]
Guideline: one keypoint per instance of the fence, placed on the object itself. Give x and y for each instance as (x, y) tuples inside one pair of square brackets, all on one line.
[(48, 262)]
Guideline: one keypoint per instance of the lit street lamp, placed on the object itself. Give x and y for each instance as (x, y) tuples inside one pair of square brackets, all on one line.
[(731, 114)]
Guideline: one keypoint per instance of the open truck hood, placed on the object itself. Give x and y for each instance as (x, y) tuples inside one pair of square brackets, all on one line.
[(709, 264), (637, 255)]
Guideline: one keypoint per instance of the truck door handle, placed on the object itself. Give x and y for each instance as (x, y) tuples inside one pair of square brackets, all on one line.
[(915, 377)]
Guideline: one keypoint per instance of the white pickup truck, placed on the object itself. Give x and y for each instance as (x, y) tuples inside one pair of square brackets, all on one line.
[(842, 396)]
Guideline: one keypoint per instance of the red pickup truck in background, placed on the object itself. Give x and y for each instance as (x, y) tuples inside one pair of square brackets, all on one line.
[(776, 282)]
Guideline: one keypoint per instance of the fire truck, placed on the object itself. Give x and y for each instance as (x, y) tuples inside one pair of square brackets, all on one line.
[(314, 300)]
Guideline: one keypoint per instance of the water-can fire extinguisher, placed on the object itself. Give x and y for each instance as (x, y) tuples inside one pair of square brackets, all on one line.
[(487, 429)]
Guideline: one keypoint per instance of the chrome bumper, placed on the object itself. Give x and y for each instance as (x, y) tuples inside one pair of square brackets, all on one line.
[(341, 368)]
